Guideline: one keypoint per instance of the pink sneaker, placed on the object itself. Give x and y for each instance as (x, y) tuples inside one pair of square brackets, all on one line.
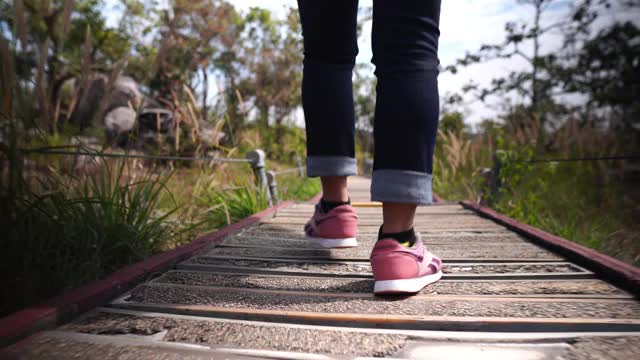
[(335, 229), (399, 269)]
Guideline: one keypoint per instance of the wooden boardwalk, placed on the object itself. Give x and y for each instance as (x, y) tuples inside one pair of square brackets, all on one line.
[(264, 292)]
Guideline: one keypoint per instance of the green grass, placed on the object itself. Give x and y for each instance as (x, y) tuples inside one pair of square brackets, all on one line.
[(585, 202), (210, 199), (297, 188), (62, 231), (578, 201), (228, 205), (232, 204)]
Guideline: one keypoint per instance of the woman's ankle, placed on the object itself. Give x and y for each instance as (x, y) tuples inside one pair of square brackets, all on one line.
[(397, 217), (334, 188)]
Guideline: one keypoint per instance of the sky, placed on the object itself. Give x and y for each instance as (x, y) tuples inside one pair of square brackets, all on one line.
[(464, 26)]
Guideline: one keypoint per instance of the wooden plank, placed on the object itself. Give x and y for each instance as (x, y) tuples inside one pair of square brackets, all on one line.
[(582, 288), (445, 259), (479, 277), (49, 344), (361, 254), (418, 334), (538, 298), (358, 269), (384, 305), (439, 323), (292, 240)]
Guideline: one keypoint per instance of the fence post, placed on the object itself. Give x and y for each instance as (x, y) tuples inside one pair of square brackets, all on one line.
[(494, 183), (273, 186), (367, 167), (258, 161), (299, 165)]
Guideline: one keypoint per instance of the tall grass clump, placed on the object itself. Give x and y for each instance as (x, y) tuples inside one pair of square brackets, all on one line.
[(458, 165), (577, 201), (222, 206), (61, 230), (225, 206), (298, 188)]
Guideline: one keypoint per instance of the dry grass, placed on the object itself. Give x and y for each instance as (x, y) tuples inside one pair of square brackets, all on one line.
[(588, 201), (458, 164)]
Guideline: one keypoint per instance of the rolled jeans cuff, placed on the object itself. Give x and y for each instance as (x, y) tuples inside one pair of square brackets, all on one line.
[(331, 166), (402, 186)]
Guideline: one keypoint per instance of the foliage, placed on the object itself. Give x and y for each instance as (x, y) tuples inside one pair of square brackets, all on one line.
[(566, 199), (272, 55), (297, 188), (64, 230), (601, 68), (457, 164), (594, 203), (451, 122), (607, 70), (186, 49), (227, 205), (234, 203), (364, 109), (51, 35), (586, 202)]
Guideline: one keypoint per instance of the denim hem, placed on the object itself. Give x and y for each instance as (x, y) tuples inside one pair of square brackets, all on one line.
[(402, 186), (331, 166)]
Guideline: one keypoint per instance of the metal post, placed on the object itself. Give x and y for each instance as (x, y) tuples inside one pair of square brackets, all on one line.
[(258, 161), (299, 165), (273, 186), (367, 167), (494, 183)]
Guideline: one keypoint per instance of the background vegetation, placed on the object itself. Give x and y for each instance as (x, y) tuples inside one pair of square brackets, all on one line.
[(594, 202)]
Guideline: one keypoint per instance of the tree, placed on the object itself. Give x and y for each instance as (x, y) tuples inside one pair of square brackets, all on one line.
[(538, 84), (364, 97), (607, 70), (451, 122), (52, 38), (272, 58), (192, 36)]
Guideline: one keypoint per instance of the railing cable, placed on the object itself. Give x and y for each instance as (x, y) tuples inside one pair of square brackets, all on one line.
[(613, 157), (97, 153)]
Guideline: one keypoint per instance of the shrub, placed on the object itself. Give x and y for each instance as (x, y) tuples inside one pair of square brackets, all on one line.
[(62, 231)]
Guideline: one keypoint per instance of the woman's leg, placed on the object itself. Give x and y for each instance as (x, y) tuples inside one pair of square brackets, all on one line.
[(330, 49), (405, 42)]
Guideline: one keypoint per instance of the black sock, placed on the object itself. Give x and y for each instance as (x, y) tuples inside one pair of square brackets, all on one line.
[(330, 205), (406, 238)]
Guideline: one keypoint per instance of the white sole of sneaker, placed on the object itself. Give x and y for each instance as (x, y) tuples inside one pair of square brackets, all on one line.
[(405, 285), (333, 243)]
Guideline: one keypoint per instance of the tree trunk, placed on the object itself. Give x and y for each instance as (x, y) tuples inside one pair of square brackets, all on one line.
[(264, 115), (205, 94), (536, 50)]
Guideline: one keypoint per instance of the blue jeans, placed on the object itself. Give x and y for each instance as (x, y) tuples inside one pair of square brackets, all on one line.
[(405, 45)]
